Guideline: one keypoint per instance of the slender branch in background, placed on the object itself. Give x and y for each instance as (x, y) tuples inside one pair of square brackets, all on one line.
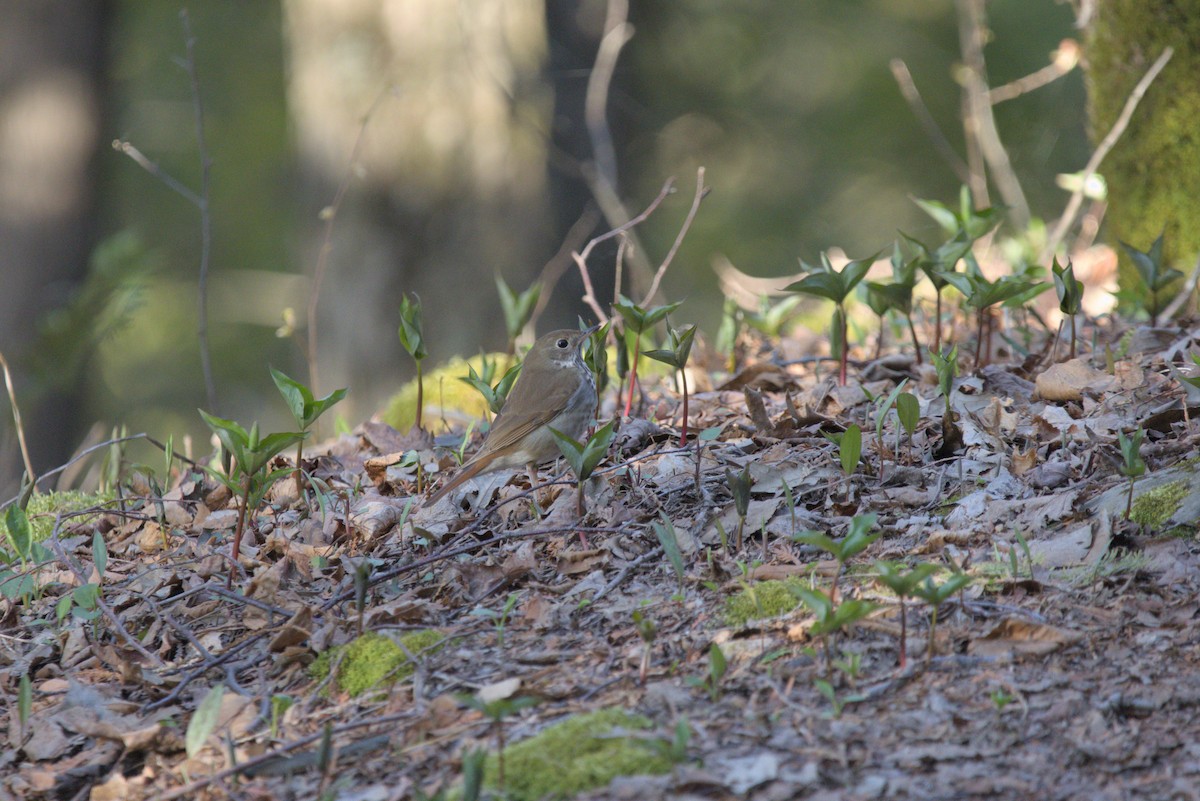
[(149, 166), (601, 173), (329, 215), (553, 270), (980, 121), (908, 89), (1062, 61), (1183, 295), (189, 64), (623, 247), (16, 413), (701, 193), (589, 294), (1131, 103)]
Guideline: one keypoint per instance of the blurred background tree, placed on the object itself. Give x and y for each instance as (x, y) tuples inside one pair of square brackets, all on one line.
[(460, 134)]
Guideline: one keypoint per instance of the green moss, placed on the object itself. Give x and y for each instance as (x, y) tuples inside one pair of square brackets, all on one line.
[(1153, 508), (1151, 170), (43, 508), (581, 753), (373, 659), (763, 599)]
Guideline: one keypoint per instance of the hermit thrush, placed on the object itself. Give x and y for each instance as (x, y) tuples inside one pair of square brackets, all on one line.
[(554, 390)]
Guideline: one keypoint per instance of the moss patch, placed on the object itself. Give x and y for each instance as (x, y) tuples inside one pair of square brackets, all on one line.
[(1155, 507), (581, 753), (763, 599), (373, 659), (43, 508)]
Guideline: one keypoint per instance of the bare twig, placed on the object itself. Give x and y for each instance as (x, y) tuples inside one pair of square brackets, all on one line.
[(558, 263), (329, 215), (16, 413), (601, 173), (82, 454), (589, 294), (908, 89), (979, 121), (1182, 297), (1131, 103), (118, 626), (1062, 61), (139, 158), (701, 193), (210, 387)]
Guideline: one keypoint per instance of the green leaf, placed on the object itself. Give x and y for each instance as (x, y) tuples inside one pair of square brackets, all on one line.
[(819, 540), (740, 485), (886, 406), (204, 721), (681, 348), (517, 308), (99, 553), (908, 409), (902, 582), (1131, 446), (20, 533), (583, 457), (410, 327), (859, 536), (1067, 287), (24, 701), (664, 529), (850, 448)]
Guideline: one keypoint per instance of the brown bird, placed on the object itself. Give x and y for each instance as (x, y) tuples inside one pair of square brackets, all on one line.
[(554, 390)]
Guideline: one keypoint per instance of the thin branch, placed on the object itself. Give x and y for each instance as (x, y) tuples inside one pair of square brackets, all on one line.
[(1062, 61), (1184, 294), (980, 122), (139, 158), (701, 193), (908, 89), (16, 413), (553, 270), (210, 387), (1131, 103), (589, 294), (82, 454), (329, 215)]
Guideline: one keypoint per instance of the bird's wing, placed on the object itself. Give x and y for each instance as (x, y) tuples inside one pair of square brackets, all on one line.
[(527, 409)]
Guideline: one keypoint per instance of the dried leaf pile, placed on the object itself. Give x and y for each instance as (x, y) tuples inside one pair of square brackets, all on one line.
[(1067, 669)]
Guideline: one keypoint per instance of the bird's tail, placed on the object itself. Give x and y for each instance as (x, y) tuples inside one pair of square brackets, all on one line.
[(472, 469)]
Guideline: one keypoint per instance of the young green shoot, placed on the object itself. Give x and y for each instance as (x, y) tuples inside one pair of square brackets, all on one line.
[(496, 711), (677, 356), (857, 538), (413, 340), (637, 321), (904, 583), (518, 309), (248, 476), (1070, 298), (823, 281), (664, 530), (494, 394), (935, 594), (1157, 279), (305, 409), (1132, 466), (584, 456), (739, 487)]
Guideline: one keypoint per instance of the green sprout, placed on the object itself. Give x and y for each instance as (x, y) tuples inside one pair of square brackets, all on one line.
[(677, 356), (413, 340), (1070, 297), (584, 456), (305, 409), (1132, 465), (823, 281), (637, 321), (518, 309), (1156, 277)]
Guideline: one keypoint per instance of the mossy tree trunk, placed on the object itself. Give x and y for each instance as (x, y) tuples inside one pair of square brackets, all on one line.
[(1153, 169)]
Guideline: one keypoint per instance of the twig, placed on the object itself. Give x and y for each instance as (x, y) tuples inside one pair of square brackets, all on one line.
[(139, 158), (329, 215), (908, 89), (626, 571), (979, 121), (1188, 288), (1106, 144), (76, 458), (589, 294), (701, 193), (16, 413), (220, 776), (1063, 60), (210, 387), (133, 642), (558, 263)]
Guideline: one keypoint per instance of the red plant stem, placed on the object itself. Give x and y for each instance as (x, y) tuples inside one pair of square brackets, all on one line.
[(241, 527), (637, 349), (937, 321), (913, 333), (684, 430)]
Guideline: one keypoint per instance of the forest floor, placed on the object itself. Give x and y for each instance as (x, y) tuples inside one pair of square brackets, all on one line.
[(1068, 668)]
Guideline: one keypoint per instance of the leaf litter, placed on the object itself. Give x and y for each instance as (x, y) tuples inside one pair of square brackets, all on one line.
[(1067, 669)]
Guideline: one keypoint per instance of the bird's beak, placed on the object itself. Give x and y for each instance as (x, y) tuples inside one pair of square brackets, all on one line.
[(587, 332)]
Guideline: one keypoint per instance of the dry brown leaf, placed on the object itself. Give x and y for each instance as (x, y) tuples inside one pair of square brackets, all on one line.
[(1016, 638)]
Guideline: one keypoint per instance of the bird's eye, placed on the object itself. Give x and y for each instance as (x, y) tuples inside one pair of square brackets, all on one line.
[(562, 343)]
